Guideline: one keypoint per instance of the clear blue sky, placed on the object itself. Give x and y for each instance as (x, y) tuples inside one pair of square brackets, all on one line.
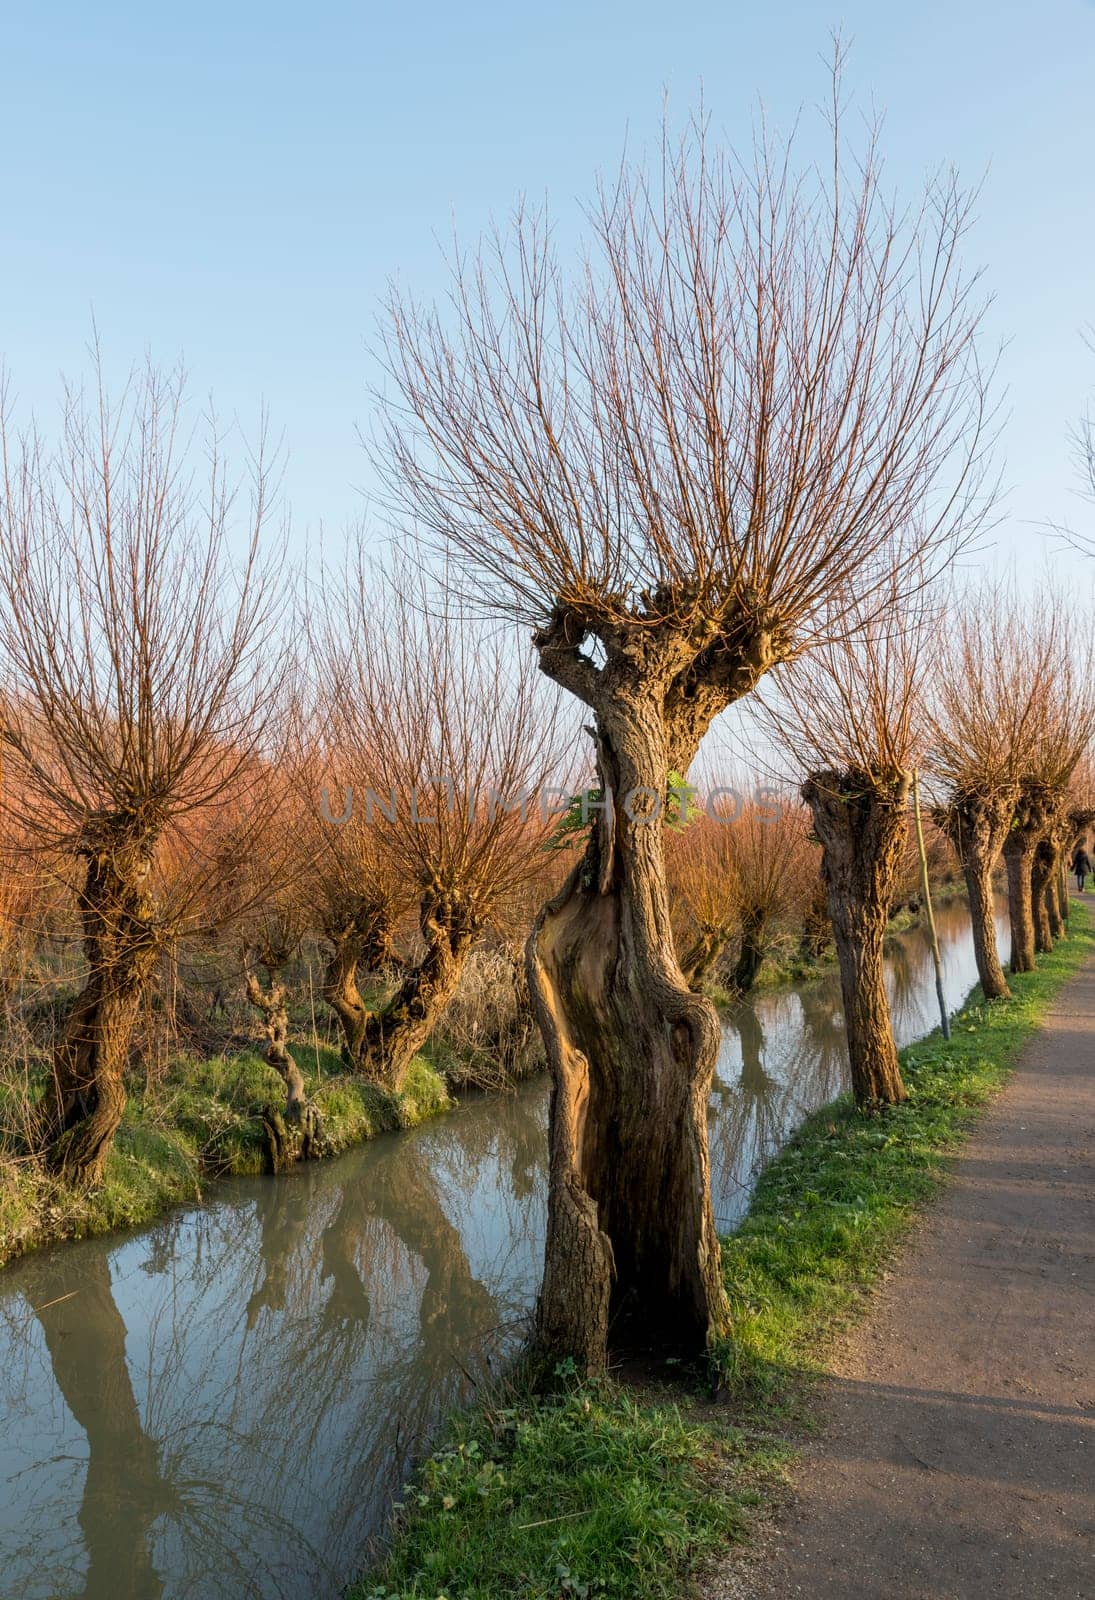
[(237, 183)]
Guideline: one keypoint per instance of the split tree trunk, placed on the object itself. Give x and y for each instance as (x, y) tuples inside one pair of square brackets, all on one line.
[(1042, 870), (702, 954), (977, 825), (393, 1034), (296, 1132), (751, 952), (862, 829), (360, 935), (87, 1097), (632, 1249), (1029, 823)]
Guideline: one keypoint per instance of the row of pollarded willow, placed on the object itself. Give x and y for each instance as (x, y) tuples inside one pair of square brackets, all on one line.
[(1012, 712), (163, 760), (415, 785), (1000, 716), (676, 468), (987, 702)]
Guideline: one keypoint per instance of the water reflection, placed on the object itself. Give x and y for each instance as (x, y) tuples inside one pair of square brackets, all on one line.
[(225, 1404), (243, 1387), (784, 1053)]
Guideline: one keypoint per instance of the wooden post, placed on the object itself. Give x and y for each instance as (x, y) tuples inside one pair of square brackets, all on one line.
[(926, 888)]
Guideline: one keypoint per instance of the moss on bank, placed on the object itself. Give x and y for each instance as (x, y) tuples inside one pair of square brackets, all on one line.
[(201, 1123), (602, 1492)]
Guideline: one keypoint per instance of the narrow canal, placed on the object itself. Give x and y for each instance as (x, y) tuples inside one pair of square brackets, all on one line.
[(225, 1403)]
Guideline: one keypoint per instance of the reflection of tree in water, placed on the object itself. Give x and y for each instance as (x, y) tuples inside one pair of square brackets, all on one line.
[(302, 1344), (788, 1068), (137, 1487), (794, 1055), (904, 964), (362, 1380), (124, 1490)]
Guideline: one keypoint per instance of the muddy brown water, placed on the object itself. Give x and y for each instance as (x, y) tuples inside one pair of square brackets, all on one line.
[(225, 1403)]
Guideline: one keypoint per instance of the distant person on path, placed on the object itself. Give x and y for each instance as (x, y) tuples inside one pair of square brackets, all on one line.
[(1081, 866)]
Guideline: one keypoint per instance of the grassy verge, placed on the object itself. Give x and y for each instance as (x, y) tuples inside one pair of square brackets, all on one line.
[(602, 1492), (202, 1122)]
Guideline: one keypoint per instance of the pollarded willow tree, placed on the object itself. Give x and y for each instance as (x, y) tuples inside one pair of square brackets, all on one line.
[(1062, 723), (134, 645), (453, 749), (354, 890), (986, 682), (850, 717), (740, 869), (671, 466), (703, 893), (776, 866)]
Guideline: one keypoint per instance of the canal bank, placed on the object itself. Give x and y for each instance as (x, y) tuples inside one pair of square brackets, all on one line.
[(567, 1508), (259, 1373)]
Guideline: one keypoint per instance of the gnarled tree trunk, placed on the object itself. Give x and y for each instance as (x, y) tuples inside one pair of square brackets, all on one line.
[(86, 1098), (977, 825), (703, 952), (631, 1244), (394, 1033), (360, 935), (751, 951), (294, 1133), (1042, 868), (862, 827), (1029, 823), (1064, 902)]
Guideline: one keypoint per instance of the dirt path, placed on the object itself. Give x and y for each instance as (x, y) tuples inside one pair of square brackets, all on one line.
[(957, 1456)]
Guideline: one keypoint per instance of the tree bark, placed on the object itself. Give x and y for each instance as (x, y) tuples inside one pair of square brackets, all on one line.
[(977, 825), (862, 827), (1056, 889), (1064, 901), (702, 954), (294, 1133), (86, 1098), (751, 952), (360, 934), (394, 1033), (1020, 910), (632, 1249), (1043, 893), (1031, 818)]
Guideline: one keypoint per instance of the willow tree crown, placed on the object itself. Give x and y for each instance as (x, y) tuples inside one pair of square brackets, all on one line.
[(758, 377)]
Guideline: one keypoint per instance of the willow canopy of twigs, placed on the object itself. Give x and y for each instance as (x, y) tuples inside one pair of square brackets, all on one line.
[(760, 377)]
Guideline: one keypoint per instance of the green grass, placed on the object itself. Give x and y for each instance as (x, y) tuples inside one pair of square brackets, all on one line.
[(201, 1123), (588, 1494), (830, 1209), (602, 1492)]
